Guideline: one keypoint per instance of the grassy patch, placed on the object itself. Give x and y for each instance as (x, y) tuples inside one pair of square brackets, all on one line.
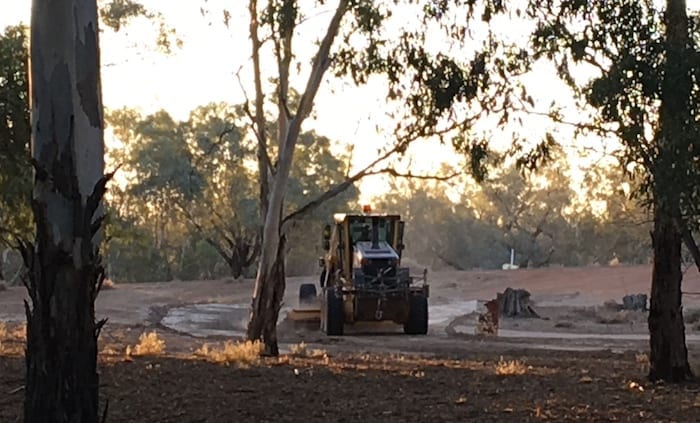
[(242, 353), (302, 350), (511, 367), (149, 344)]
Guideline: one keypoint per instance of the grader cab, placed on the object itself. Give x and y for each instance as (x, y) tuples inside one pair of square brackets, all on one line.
[(362, 279)]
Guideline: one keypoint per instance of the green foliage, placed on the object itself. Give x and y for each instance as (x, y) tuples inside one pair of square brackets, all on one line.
[(15, 133), (117, 13), (435, 89), (191, 195), (624, 43), (537, 215)]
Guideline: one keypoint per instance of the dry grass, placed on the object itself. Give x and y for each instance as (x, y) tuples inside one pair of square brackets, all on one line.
[(511, 367), (149, 344), (19, 333), (12, 338), (242, 353), (642, 360), (3, 335), (301, 350)]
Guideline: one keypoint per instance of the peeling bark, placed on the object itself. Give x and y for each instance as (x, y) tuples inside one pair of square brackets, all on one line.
[(270, 280), (64, 265)]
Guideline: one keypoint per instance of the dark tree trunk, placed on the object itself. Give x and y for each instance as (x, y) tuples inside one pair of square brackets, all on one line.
[(669, 355), (64, 266), (267, 304), (668, 352)]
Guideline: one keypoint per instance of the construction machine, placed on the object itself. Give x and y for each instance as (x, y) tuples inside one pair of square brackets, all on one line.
[(362, 279)]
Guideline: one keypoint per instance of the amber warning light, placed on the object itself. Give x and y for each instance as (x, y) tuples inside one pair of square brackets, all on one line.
[(366, 208)]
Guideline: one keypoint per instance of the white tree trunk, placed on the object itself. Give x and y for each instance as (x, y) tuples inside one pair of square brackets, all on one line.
[(270, 280), (64, 265)]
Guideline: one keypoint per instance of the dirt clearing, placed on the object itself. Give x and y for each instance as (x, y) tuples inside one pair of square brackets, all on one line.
[(520, 375), (389, 388)]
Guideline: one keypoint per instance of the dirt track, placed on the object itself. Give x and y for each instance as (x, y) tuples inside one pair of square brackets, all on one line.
[(570, 300)]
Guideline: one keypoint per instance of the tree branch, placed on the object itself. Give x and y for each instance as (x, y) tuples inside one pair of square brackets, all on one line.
[(258, 132), (350, 180), (689, 242)]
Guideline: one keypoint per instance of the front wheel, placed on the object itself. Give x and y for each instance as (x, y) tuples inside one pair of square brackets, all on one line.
[(417, 323)]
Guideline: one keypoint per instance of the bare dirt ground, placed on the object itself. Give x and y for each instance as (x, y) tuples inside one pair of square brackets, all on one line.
[(580, 361)]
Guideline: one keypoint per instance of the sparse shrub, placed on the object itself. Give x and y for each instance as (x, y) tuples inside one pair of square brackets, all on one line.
[(301, 350), (11, 339), (149, 344), (3, 286), (19, 333), (511, 367), (643, 360), (3, 334), (247, 352)]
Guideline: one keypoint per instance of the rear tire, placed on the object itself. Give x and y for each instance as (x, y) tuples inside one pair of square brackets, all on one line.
[(417, 323), (307, 293), (334, 313)]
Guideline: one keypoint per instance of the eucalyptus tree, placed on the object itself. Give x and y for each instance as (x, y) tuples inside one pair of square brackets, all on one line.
[(644, 92), (434, 94), (64, 269)]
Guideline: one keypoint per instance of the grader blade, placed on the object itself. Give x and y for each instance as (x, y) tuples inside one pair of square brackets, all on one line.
[(304, 315)]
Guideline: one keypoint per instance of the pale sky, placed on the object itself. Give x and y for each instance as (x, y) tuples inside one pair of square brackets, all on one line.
[(135, 75)]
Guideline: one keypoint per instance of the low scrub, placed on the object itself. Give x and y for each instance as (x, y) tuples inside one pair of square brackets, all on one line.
[(149, 344), (242, 353), (511, 367), (302, 350)]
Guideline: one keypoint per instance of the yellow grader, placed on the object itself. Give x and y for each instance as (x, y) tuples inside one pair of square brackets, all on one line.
[(362, 279)]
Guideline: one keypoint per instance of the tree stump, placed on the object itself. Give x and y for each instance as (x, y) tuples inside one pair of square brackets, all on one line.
[(637, 302), (488, 321), (515, 303)]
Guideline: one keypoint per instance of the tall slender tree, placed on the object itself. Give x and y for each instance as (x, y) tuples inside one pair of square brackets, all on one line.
[(64, 269)]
